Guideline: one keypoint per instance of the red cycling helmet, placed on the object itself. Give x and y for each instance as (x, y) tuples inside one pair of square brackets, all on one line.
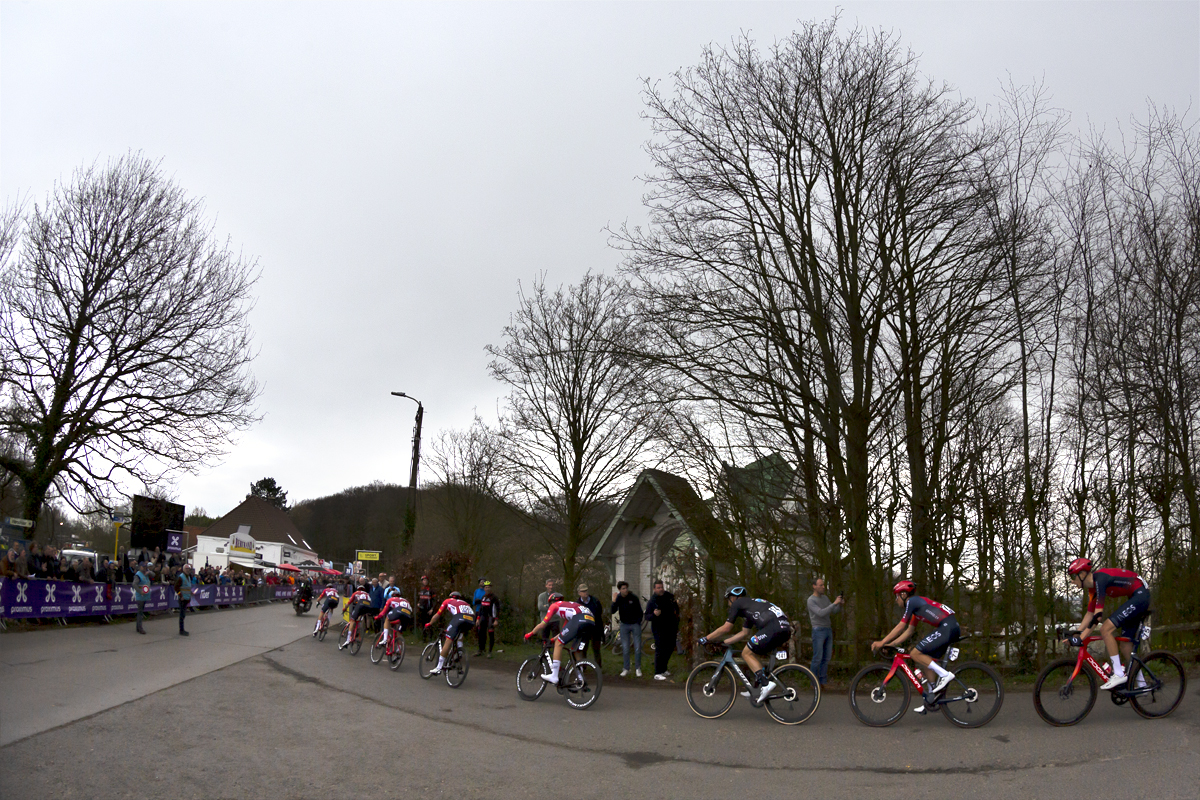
[(1079, 565), (904, 586)]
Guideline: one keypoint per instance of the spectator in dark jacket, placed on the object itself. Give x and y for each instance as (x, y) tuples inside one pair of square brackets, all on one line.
[(663, 613), (627, 608), (593, 603)]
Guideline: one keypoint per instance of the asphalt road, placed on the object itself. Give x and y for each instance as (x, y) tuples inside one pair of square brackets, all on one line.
[(305, 720)]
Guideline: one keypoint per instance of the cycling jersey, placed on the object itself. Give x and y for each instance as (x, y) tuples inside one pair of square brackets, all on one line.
[(566, 610), (457, 608), (329, 592), (1112, 582), (489, 606), (758, 613), (425, 598), (923, 608), (397, 604)]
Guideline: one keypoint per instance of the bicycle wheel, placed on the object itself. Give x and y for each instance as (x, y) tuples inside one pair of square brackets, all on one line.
[(974, 697), (396, 657), (321, 632), (429, 657), (456, 672), (1060, 699), (529, 679), (378, 649), (356, 642), (798, 696), (711, 689), (1162, 673), (876, 701), (583, 685)]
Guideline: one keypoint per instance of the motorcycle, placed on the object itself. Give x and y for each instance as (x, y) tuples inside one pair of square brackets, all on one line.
[(302, 603)]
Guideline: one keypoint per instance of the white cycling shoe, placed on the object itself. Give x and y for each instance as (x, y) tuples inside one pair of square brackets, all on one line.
[(766, 691), (1114, 682), (548, 678), (942, 682)]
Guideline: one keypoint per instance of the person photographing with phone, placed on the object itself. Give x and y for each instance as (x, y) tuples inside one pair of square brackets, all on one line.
[(820, 609)]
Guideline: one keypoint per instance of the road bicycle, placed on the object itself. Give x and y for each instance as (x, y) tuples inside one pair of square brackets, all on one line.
[(456, 666), (356, 635), (880, 693), (580, 683), (322, 628), (392, 651), (712, 688), (1065, 691)]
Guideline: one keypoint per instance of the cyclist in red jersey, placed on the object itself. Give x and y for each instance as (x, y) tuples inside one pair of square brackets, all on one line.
[(945, 633), (360, 603), (577, 621), (1111, 582), (395, 609), (327, 601), (461, 621)]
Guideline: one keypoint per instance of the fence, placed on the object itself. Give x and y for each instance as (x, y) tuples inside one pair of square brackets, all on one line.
[(39, 599)]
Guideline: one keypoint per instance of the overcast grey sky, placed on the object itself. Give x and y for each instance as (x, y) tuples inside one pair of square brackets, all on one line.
[(397, 168)]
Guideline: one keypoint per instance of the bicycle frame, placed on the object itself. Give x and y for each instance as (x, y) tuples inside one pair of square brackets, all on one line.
[(901, 661), (728, 660), (1085, 658)]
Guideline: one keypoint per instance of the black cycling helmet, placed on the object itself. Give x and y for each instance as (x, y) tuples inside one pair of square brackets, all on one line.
[(735, 591), (554, 597)]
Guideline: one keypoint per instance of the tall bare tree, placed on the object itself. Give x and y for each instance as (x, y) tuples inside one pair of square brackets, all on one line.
[(578, 420), (124, 335)]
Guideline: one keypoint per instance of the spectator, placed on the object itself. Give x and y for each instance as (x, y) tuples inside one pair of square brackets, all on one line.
[(34, 559), (85, 572), (426, 602), (819, 611), (485, 622), (544, 599), (8, 565), (183, 591), (479, 592), (376, 592), (69, 571), (627, 609), (663, 613), (141, 593), (593, 603), (113, 570)]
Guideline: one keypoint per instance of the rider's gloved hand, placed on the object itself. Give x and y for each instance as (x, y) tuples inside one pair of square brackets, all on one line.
[(703, 640), (1075, 640), (529, 636), (427, 625)]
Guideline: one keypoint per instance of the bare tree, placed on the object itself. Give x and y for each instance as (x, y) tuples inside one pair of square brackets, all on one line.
[(578, 419), (124, 337), (468, 465)]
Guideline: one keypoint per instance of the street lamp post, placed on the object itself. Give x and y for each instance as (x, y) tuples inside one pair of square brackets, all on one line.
[(410, 512)]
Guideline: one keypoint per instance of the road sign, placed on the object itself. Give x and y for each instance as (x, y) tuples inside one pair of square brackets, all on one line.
[(367, 555), (118, 519), (17, 522)]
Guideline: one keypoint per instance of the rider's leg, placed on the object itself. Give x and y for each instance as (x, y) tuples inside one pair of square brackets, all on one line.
[(752, 660), (555, 664), (1108, 632)]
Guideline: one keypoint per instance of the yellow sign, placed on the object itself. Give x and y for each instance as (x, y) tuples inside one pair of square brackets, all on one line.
[(367, 555)]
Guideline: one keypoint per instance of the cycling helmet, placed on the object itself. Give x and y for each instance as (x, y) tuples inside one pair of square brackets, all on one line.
[(1078, 566), (456, 595), (904, 586), (735, 591), (554, 597)]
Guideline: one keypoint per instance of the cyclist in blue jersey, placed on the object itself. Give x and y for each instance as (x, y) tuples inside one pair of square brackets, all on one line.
[(945, 631)]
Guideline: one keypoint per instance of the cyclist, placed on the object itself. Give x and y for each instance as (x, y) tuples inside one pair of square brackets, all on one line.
[(577, 622), (327, 601), (360, 606), (395, 609), (945, 632), (772, 630), (1111, 582), (461, 621), (488, 609)]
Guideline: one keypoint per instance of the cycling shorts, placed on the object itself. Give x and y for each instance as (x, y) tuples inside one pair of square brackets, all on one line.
[(361, 610), (459, 626), (769, 638), (398, 615), (945, 634), (329, 604), (578, 629), (1131, 613)]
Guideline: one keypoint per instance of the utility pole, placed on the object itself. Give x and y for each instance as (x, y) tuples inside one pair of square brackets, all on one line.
[(410, 512)]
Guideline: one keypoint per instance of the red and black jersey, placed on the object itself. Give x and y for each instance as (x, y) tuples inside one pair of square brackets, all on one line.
[(395, 601), (566, 611), (489, 606), (360, 597), (329, 592), (425, 598), (923, 608), (457, 608), (1112, 582)]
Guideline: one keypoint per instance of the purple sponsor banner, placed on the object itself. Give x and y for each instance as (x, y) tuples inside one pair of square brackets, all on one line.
[(285, 592), (26, 598), (174, 542), (213, 595)]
